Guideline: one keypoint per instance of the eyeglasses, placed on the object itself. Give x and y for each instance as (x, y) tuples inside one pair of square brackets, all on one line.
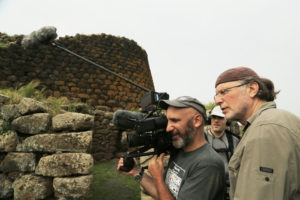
[(223, 92)]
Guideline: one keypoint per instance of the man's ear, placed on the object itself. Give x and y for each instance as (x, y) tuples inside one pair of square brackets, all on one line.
[(253, 89), (198, 120)]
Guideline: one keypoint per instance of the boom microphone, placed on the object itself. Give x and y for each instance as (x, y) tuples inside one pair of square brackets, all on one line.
[(44, 35), (124, 119)]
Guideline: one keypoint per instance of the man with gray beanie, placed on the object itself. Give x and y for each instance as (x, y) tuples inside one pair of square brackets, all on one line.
[(266, 162), (195, 170)]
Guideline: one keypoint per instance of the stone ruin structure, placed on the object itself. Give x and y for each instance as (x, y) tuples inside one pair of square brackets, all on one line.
[(43, 156), (63, 74)]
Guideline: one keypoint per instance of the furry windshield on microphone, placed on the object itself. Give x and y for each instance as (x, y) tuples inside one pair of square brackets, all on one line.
[(42, 36)]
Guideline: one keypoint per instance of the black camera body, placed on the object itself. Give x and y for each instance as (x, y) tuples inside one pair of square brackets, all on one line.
[(150, 127)]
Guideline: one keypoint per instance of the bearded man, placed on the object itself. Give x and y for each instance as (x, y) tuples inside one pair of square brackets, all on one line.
[(195, 170)]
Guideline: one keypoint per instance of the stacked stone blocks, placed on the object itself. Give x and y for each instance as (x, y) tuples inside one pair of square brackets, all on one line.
[(63, 74), (43, 156), (106, 137)]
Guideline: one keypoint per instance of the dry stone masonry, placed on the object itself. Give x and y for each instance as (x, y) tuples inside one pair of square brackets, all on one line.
[(106, 138), (63, 74), (44, 157)]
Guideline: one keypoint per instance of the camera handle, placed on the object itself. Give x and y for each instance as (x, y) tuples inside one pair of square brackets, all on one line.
[(128, 163), (128, 158)]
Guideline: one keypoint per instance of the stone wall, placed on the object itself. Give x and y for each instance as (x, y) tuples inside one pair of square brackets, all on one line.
[(63, 74), (108, 141), (105, 137), (44, 157)]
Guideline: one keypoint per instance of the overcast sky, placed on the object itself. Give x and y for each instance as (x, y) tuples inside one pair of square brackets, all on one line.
[(188, 42)]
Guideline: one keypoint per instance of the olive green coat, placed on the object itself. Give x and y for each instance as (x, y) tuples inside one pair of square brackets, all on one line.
[(266, 163)]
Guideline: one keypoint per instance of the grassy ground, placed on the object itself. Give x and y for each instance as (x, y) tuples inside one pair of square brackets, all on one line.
[(108, 184)]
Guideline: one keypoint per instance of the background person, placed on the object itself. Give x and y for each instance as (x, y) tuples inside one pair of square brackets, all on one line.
[(195, 170), (266, 162), (222, 140)]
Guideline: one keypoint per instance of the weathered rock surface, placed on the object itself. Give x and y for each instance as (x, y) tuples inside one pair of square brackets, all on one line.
[(65, 164), (8, 142), (72, 122), (73, 187), (9, 112), (32, 124), (29, 148), (6, 190), (64, 142), (32, 187), (24, 162), (28, 105), (14, 175), (106, 137)]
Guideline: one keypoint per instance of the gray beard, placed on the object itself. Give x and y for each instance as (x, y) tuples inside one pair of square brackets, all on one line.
[(186, 137)]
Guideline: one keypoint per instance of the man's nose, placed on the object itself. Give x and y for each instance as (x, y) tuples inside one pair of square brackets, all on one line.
[(169, 127), (216, 119), (218, 100)]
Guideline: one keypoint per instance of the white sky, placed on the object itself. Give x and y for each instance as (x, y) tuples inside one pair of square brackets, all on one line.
[(188, 42)]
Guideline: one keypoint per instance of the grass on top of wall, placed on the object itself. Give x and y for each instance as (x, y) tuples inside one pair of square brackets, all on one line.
[(54, 105)]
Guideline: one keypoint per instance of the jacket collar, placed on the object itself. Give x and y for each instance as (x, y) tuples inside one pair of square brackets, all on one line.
[(263, 107)]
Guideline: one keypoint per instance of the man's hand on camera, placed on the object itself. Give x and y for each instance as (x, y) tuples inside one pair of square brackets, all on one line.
[(135, 170), (156, 167)]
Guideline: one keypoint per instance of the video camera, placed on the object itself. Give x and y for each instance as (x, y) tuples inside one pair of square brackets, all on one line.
[(150, 126)]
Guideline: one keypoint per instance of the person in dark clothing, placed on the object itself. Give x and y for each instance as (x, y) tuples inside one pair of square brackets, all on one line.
[(195, 171)]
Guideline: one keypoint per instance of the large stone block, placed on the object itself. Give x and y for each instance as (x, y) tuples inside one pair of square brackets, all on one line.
[(32, 187), (65, 164), (24, 162), (72, 122), (32, 124), (8, 142), (65, 142), (9, 112), (28, 105), (73, 187)]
